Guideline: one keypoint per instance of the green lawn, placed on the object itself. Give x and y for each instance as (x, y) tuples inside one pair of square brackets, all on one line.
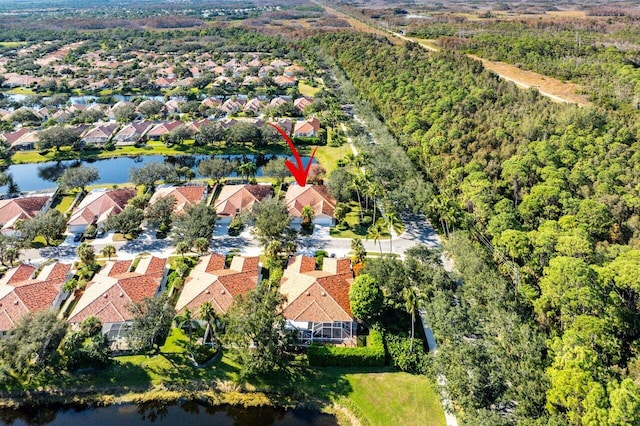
[(21, 91), (355, 229), (395, 399), (12, 43), (328, 156), (64, 202), (307, 90)]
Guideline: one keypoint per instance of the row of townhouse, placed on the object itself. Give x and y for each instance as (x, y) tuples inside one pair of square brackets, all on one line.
[(231, 105), (99, 134), (316, 301)]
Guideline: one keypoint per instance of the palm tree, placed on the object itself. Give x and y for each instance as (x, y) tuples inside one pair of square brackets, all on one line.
[(374, 190), (187, 319), (307, 215), (393, 224), (412, 299), (108, 251), (359, 253), (248, 169), (201, 245), (182, 248), (375, 232), (208, 314)]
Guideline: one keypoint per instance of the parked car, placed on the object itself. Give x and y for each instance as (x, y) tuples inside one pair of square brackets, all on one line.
[(77, 238)]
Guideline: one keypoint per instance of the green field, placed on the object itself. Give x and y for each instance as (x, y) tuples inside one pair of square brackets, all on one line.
[(307, 90)]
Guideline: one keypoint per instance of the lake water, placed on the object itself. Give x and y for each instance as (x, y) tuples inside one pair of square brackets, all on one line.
[(41, 176), (183, 414)]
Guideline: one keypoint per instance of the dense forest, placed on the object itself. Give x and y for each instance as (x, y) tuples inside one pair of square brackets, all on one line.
[(553, 190)]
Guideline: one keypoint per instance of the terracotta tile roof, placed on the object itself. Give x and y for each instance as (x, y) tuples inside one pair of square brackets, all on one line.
[(308, 127), (98, 205), (213, 262), (119, 267), (16, 275), (24, 208), (184, 195), (163, 128), (11, 137), (316, 196), (218, 286), (235, 198), (21, 294), (110, 293), (302, 264), (316, 296)]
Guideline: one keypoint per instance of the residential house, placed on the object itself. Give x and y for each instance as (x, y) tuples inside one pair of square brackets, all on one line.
[(165, 82), (100, 134), (279, 63), (184, 195), (251, 80), (114, 288), (10, 137), (162, 129), (97, 206), (24, 290), (278, 101), (317, 301), (307, 128), (172, 106), (302, 103), (210, 281), (284, 80), (27, 141), (212, 103), (317, 196), (19, 209), (285, 124), (232, 105), (293, 70), (132, 132), (253, 106), (195, 126), (235, 198)]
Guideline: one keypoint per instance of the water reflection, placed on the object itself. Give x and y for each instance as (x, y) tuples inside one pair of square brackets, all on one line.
[(160, 413), (39, 176)]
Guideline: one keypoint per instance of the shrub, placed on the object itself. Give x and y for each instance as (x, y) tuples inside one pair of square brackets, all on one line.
[(415, 361), (371, 355), (366, 221)]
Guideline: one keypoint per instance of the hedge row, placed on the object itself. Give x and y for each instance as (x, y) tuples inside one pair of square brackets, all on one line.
[(372, 355)]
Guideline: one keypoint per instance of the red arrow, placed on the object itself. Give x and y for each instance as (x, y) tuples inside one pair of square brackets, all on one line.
[(298, 171)]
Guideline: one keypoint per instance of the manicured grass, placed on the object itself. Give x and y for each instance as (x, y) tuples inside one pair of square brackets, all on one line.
[(328, 156), (21, 91), (12, 43), (64, 202), (395, 398), (307, 90)]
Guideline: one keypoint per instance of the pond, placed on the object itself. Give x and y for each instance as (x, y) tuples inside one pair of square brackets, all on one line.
[(89, 99), (159, 413), (41, 176)]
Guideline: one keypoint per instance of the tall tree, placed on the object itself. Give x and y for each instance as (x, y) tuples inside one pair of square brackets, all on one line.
[(255, 331), (151, 322), (57, 136), (215, 168), (198, 221), (78, 177), (366, 298)]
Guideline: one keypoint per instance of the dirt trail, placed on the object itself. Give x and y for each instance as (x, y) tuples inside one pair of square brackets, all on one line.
[(552, 88)]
